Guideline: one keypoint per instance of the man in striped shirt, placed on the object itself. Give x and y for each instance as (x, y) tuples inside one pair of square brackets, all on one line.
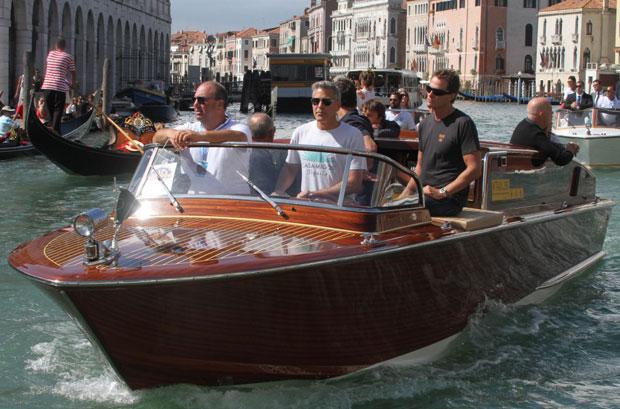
[(59, 67)]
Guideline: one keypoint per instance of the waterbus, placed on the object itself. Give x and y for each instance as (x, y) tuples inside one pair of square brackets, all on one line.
[(389, 80), (292, 76)]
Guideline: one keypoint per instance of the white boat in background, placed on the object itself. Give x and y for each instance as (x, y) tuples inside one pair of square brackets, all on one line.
[(596, 131)]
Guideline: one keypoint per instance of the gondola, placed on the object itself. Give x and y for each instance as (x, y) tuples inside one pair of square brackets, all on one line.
[(483, 98), (8, 151), (73, 156)]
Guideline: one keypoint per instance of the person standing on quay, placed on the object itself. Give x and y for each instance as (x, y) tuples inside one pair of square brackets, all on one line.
[(59, 67)]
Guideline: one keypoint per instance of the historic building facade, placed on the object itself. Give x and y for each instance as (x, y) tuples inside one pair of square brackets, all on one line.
[(291, 34), (319, 27), (264, 42), (133, 34), (342, 37), (379, 34), (570, 36), (417, 37)]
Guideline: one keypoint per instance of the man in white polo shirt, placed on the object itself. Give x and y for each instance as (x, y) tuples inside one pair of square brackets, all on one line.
[(211, 125)]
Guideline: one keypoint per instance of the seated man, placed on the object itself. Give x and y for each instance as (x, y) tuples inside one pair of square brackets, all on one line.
[(534, 132), (213, 170), (609, 101), (265, 164), (396, 114), (375, 112), (321, 175)]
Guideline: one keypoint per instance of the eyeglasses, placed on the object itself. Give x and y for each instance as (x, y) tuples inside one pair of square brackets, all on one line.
[(201, 100), (326, 101), (438, 92)]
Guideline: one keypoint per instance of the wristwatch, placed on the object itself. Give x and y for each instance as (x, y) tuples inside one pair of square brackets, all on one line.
[(444, 192)]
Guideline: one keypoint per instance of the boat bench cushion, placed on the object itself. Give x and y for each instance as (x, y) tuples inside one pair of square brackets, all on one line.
[(472, 219)]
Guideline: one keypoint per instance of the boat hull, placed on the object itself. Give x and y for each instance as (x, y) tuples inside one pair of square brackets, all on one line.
[(325, 319), (9, 152), (600, 149)]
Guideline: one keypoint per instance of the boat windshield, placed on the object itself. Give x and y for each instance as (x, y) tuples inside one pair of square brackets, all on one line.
[(282, 173), (597, 117)]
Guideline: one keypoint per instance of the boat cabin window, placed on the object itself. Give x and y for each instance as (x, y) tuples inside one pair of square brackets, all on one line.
[(597, 117), (297, 72), (315, 176)]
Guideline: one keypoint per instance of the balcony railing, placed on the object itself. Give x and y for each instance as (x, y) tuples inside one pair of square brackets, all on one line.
[(419, 48), (474, 44), (542, 40), (500, 44), (458, 45), (575, 38), (556, 39)]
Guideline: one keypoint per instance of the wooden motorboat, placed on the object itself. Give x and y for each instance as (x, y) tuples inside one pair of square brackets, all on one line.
[(192, 281), (75, 157), (596, 131)]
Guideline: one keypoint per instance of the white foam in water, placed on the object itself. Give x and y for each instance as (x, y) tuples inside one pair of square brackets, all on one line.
[(70, 360)]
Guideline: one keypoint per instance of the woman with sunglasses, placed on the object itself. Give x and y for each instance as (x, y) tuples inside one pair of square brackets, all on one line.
[(449, 150)]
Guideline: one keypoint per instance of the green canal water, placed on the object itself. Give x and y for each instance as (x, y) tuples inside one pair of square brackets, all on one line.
[(564, 353)]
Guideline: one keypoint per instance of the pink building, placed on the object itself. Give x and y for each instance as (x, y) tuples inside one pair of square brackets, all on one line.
[(319, 25), (469, 36)]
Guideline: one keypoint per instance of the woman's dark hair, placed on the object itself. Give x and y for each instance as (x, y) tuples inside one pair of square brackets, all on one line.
[(375, 106)]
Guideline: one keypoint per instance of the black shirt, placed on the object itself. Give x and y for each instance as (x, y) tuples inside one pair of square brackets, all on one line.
[(527, 133), (358, 121), (443, 145), (388, 129)]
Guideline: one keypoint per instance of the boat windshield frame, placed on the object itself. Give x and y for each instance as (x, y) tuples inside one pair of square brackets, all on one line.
[(416, 201)]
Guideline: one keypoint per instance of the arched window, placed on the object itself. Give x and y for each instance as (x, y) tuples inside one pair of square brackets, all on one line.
[(544, 27), (392, 55), (528, 35), (575, 58), (528, 65), (586, 57), (499, 63), (577, 25), (393, 26), (499, 34), (560, 32), (589, 28)]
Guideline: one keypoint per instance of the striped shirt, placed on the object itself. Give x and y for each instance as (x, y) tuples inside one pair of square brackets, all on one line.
[(58, 71)]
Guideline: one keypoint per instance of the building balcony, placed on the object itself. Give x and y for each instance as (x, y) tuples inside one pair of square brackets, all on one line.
[(575, 38), (436, 51), (458, 45), (556, 39), (542, 40), (419, 48), (475, 44), (500, 44)]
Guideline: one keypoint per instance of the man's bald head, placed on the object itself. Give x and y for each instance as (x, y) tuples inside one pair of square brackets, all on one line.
[(539, 111), (262, 127)]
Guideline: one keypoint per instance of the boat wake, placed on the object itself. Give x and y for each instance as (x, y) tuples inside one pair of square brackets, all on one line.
[(71, 362)]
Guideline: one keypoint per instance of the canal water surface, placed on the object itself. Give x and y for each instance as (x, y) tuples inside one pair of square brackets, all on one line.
[(564, 353)]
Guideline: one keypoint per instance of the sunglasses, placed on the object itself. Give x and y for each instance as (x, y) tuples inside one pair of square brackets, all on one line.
[(201, 100), (438, 92), (326, 101)]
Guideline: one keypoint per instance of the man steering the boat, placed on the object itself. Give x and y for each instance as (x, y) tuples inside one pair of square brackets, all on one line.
[(321, 173), (449, 149), (534, 132), (212, 125)]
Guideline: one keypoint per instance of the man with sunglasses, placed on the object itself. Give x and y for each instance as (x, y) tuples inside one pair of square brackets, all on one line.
[(449, 149), (396, 114), (321, 175), (218, 165), (578, 100)]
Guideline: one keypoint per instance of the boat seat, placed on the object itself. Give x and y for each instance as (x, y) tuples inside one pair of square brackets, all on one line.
[(472, 219)]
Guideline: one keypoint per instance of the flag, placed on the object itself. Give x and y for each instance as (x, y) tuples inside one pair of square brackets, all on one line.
[(436, 41), (426, 41)]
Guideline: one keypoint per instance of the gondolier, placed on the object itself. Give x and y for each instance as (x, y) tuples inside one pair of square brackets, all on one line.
[(59, 67)]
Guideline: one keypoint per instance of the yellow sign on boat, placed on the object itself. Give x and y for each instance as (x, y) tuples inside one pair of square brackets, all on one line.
[(501, 191)]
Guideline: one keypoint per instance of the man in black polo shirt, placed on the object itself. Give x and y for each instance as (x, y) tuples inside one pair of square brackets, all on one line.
[(534, 132), (449, 150)]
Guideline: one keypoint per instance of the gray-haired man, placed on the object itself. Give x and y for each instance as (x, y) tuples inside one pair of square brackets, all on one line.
[(319, 178)]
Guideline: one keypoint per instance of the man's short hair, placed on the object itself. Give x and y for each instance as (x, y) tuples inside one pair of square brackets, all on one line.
[(454, 82), (220, 92), (572, 78), (60, 43), (327, 85), (595, 81), (367, 77), (348, 93), (261, 126), (377, 106), (397, 95)]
